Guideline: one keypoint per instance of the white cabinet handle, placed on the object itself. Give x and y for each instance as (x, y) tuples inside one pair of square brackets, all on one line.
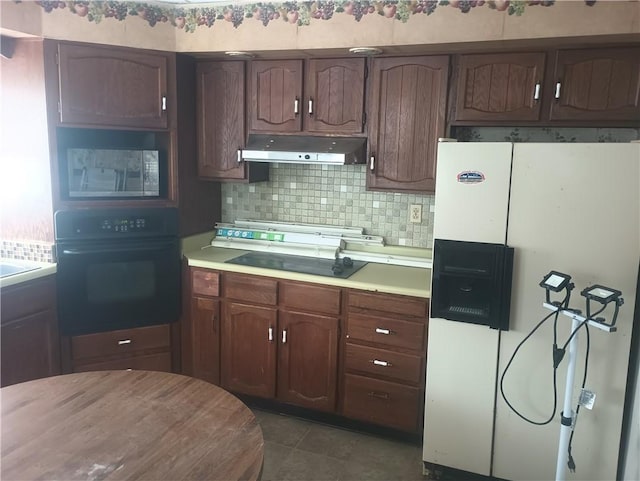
[(271, 334), (284, 336), (536, 92), (377, 362), (372, 163), (164, 103), (124, 341), (558, 86), (380, 330), (239, 155), (310, 106), (296, 106)]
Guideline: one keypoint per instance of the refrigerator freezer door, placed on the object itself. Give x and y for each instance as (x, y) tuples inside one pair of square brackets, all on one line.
[(461, 376), (471, 204), (575, 208), (472, 191)]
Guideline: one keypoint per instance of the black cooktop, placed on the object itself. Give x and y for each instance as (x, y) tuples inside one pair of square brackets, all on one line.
[(341, 268)]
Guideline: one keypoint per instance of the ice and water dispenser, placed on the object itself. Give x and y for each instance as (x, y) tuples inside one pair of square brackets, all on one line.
[(472, 282)]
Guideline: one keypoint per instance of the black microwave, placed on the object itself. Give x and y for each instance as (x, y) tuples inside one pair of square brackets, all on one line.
[(113, 173), (104, 164)]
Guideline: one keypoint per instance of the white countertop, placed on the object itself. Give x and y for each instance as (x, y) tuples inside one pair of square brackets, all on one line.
[(391, 279), (42, 269)]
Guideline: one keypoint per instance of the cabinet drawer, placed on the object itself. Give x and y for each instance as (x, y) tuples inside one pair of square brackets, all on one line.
[(120, 342), (250, 289), (205, 282), (382, 402), (151, 362), (408, 306), (388, 332), (309, 297), (395, 365)]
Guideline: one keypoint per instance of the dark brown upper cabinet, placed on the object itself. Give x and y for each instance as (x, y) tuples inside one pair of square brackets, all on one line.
[(109, 86), (332, 100), (597, 84), (581, 87), (220, 125), (499, 86), (335, 95), (408, 103)]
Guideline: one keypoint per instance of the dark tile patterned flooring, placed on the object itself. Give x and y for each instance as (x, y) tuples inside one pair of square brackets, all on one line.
[(300, 450)]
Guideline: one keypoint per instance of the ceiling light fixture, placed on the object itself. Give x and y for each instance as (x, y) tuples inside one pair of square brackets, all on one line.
[(365, 51), (239, 54)]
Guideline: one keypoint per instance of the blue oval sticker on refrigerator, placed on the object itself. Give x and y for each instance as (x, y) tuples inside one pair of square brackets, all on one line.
[(470, 177)]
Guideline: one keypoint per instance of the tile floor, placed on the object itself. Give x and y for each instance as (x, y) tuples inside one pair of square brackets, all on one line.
[(300, 450)]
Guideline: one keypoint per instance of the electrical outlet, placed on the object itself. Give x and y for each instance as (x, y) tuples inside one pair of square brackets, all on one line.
[(415, 213)]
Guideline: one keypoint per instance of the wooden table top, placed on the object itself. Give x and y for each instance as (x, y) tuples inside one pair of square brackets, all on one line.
[(127, 425)]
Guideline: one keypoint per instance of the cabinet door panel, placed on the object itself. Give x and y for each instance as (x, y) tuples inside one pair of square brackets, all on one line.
[(30, 345), (409, 102), (220, 127), (275, 87), (27, 350), (499, 87), (205, 329), (103, 86), (598, 84), (307, 360), (336, 88), (248, 356)]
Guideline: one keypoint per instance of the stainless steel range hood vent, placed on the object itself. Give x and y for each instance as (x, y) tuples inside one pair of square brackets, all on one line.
[(297, 149)]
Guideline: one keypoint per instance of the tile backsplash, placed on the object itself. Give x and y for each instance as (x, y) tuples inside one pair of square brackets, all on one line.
[(333, 195), (26, 250)]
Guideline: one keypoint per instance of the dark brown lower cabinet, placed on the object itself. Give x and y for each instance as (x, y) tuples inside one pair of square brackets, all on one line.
[(308, 360), (205, 328), (249, 349), (281, 340), (29, 331), (383, 370)]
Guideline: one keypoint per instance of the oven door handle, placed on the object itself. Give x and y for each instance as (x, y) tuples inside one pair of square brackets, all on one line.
[(120, 247)]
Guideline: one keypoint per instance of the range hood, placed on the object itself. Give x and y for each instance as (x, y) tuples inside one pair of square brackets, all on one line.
[(298, 149)]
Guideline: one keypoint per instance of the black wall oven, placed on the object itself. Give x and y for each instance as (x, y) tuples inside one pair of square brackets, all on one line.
[(117, 268)]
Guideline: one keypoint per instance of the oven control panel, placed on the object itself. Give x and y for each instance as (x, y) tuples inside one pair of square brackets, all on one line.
[(124, 225), (112, 223)]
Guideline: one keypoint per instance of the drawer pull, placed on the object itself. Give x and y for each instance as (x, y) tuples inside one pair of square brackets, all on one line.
[(380, 330), (124, 341), (381, 363), (379, 395)]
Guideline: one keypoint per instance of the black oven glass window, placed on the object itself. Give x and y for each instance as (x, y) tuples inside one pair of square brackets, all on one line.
[(121, 281)]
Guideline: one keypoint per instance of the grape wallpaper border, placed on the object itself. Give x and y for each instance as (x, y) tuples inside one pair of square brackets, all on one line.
[(189, 18)]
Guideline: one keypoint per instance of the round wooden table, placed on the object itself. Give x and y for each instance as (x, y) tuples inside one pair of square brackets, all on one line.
[(117, 425)]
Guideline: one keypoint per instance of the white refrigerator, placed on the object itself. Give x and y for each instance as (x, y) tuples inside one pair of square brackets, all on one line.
[(572, 208)]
